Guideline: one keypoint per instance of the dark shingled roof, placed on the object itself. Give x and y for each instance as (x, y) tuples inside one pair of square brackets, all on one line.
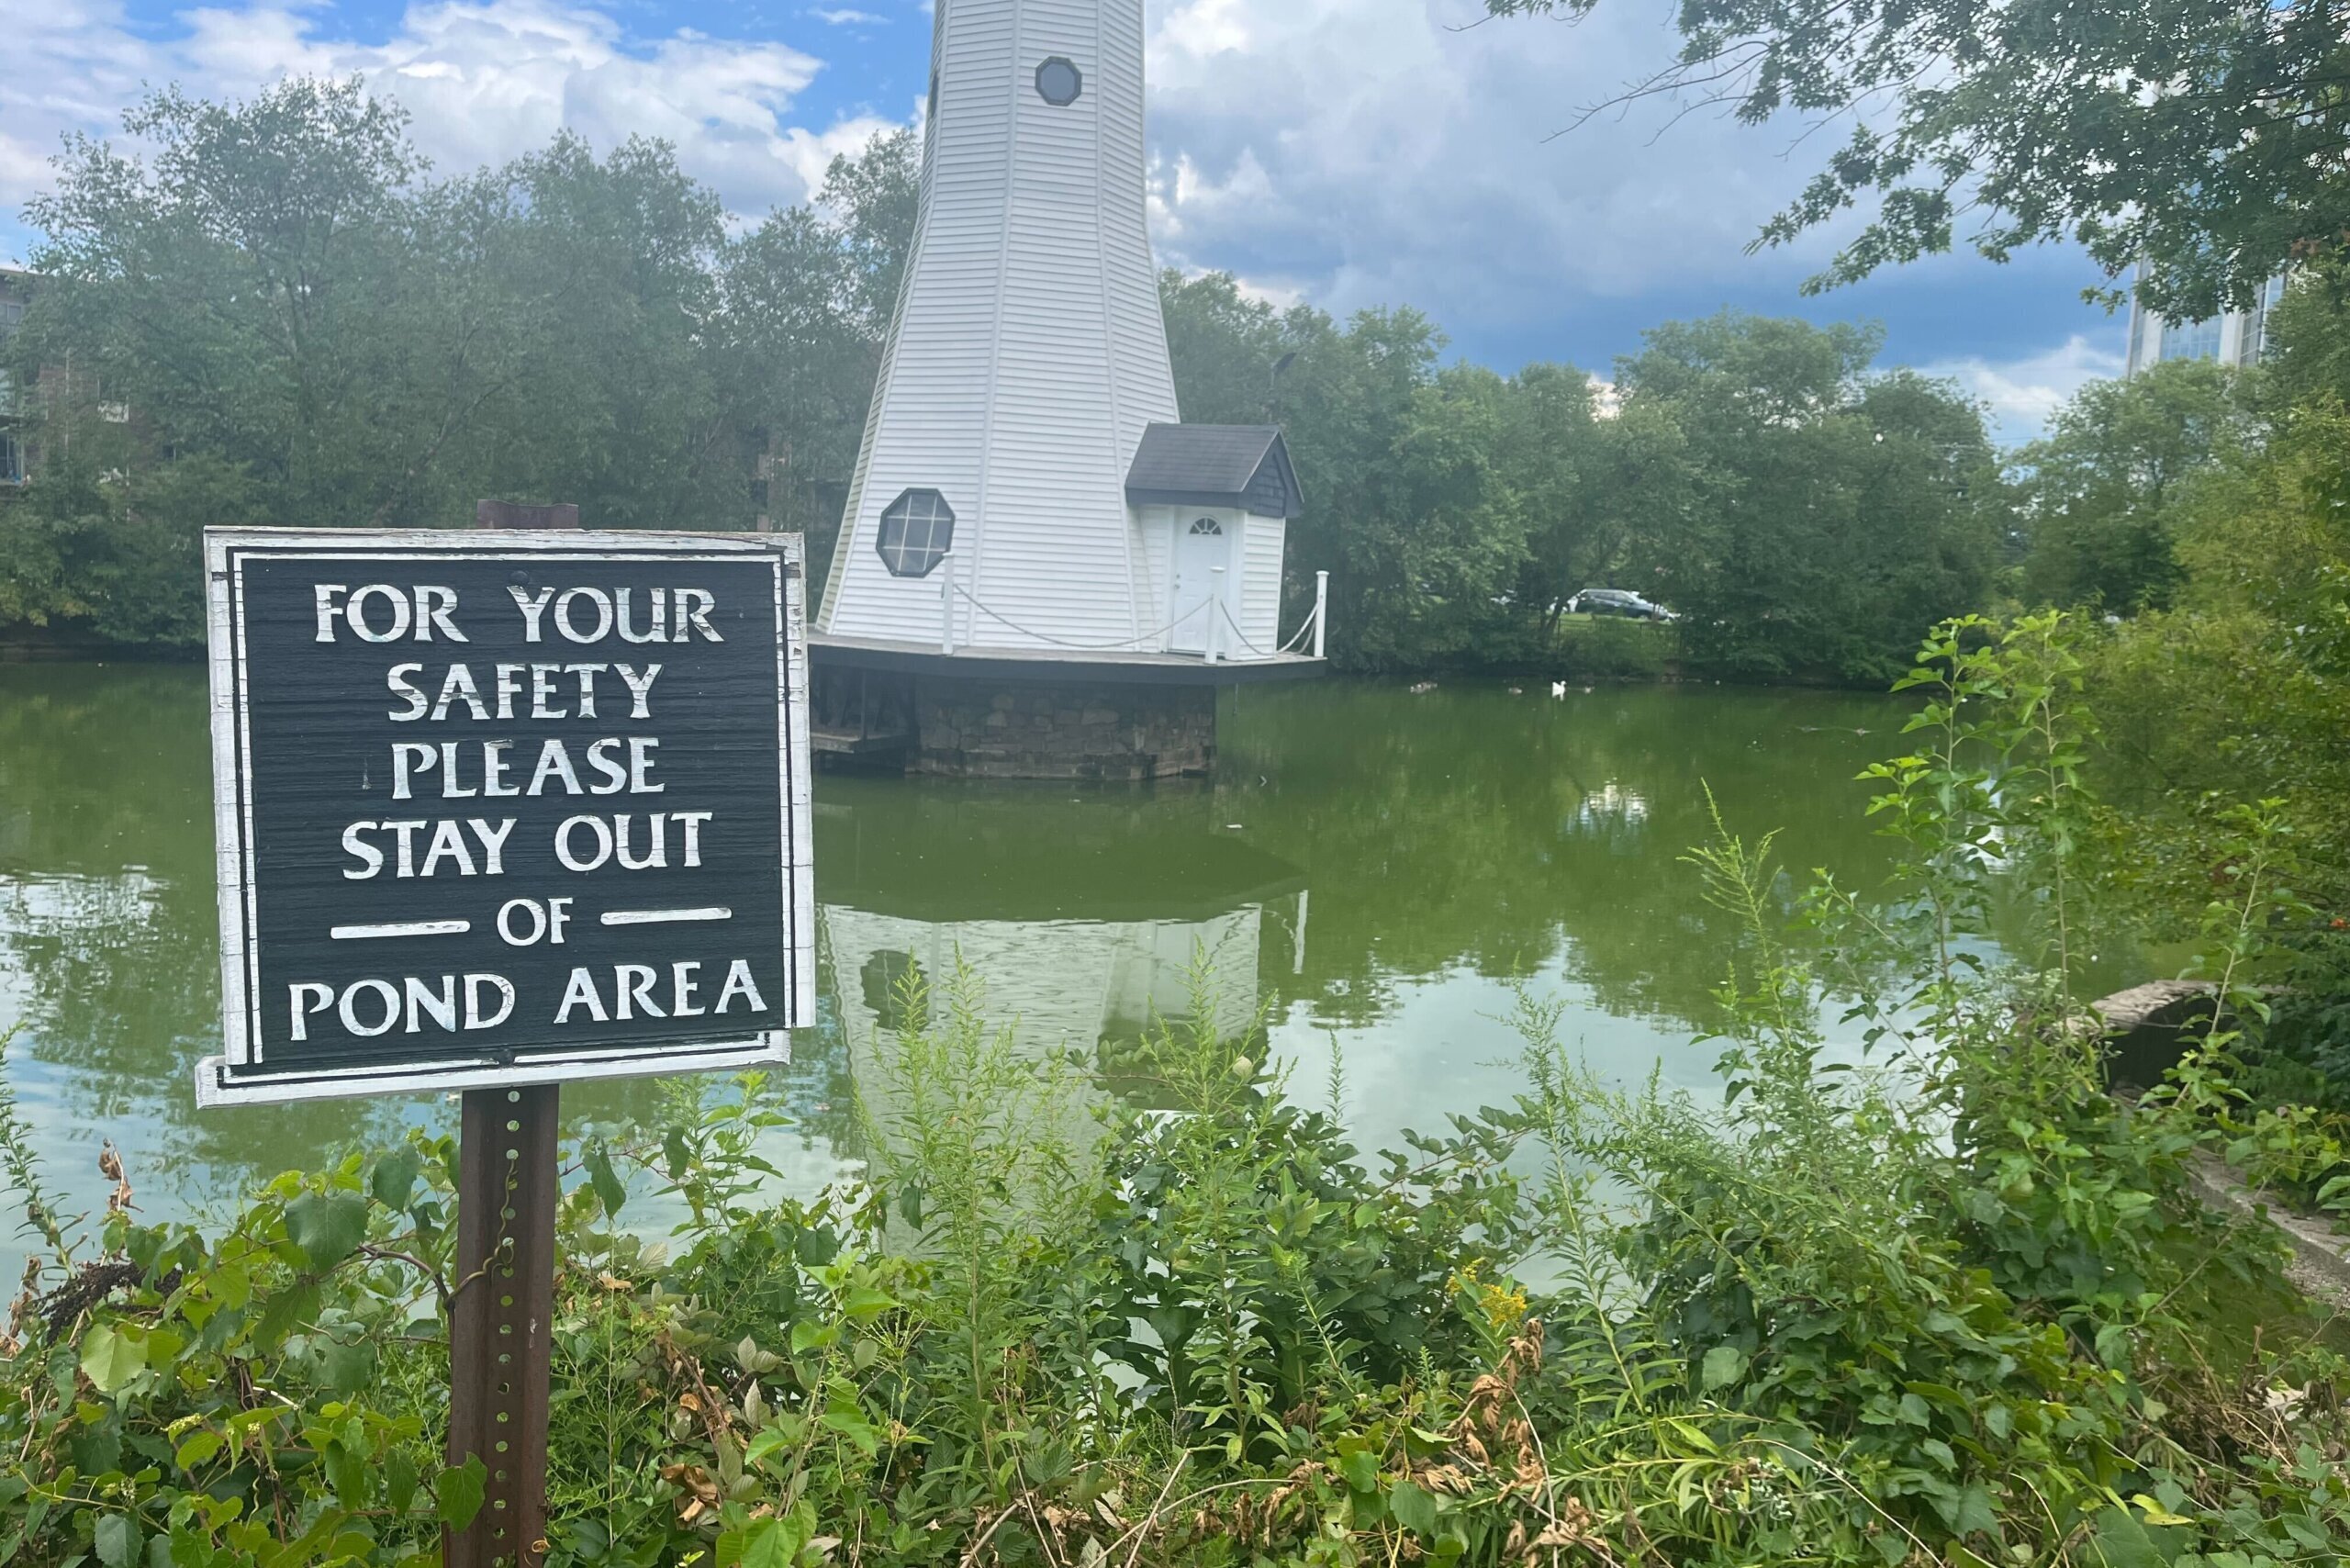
[(1215, 465)]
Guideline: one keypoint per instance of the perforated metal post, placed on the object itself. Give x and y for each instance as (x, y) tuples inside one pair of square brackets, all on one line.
[(500, 1320)]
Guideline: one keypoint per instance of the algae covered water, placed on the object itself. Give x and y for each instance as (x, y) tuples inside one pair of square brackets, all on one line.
[(1367, 871)]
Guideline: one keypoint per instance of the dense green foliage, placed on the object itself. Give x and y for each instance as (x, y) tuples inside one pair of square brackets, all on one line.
[(2096, 490), (1806, 518), (306, 326), (1946, 1306), (2236, 690), (2201, 139)]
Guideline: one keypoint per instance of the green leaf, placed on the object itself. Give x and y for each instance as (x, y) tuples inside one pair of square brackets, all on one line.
[(862, 1304), (1413, 1508), (1361, 1469), (198, 1449), (347, 1473), (1694, 1437), (772, 1543), (111, 1359), (460, 1491), (327, 1227), (610, 1191), (1974, 1514), (116, 1540), (400, 1481), (850, 1423), (394, 1178), (2122, 1542), (346, 1366), (1724, 1365)]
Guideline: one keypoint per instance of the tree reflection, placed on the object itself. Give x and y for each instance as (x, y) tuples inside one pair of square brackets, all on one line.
[(1470, 826)]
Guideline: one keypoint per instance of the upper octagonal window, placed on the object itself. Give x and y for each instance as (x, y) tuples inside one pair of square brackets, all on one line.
[(1058, 81)]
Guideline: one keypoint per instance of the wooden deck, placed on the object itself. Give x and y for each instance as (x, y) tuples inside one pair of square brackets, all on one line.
[(1058, 663), (848, 743)]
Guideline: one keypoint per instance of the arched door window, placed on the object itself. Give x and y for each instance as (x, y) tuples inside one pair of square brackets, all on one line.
[(1208, 527)]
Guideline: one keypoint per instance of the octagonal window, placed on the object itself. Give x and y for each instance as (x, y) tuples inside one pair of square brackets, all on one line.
[(1058, 82), (917, 530)]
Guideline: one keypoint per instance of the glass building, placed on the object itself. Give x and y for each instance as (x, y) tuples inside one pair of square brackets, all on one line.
[(2237, 338)]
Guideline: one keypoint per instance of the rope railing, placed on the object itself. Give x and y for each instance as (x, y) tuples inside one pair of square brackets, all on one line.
[(995, 614), (1305, 630), (1297, 640)]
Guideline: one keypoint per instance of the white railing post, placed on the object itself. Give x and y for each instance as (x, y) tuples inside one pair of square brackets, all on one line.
[(1216, 615), (947, 604), (1321, 611)]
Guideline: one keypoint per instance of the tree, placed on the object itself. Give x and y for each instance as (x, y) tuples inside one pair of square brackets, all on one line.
[(2205, 137), (260, 289), (284, 296), (807, 301), (1404, 505), (1831, 518), (2098, 489)]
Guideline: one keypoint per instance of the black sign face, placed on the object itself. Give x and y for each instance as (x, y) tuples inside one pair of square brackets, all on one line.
[(506, 808)]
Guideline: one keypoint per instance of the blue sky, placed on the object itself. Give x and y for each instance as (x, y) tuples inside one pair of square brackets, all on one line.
[(1345, 152)]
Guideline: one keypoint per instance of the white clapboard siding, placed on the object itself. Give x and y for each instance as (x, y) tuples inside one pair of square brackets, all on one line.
[(1261, 584), (1028, 351), (1154, 573)]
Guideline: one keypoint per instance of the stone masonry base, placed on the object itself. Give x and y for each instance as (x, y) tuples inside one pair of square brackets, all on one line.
[(988, 729)]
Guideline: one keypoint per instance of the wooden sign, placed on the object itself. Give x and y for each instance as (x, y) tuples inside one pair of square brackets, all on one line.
[(507, 807)]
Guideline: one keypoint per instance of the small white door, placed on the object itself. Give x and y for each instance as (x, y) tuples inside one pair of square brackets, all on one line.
[(1200, 546)]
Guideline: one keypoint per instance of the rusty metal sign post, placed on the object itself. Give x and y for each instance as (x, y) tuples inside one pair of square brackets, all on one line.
[(498, 810), (502, 1308), (498, 1318)]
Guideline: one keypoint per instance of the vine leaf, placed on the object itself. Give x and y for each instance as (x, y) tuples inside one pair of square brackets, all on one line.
[(116, 1539), (111, 1359), (460, 1491), (327, 1227), (610, 1190), (394, 1178)]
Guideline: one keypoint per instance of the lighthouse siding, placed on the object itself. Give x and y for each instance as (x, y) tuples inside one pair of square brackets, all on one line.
[(1030, 353), (1262, 539)]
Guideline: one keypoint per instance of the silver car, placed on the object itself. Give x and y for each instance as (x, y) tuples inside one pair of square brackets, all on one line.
[(1618, 601)]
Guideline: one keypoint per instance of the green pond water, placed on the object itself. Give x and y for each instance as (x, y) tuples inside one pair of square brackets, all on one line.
[(1368, 867)]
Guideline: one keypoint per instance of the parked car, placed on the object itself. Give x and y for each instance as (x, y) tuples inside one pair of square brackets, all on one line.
[(1618, 601)]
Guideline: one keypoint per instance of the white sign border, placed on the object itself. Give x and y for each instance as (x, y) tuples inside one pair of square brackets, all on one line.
[(233, 814)]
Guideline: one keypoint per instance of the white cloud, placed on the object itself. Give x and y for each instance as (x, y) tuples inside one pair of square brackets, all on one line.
[(2021, 393), (1352, 152), (1379, 150), (483, 81)]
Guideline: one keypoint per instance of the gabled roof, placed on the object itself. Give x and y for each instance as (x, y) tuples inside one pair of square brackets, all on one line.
[(1215, 465)]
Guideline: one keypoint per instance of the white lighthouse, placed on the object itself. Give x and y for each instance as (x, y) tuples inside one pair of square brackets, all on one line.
[(1026, 507)]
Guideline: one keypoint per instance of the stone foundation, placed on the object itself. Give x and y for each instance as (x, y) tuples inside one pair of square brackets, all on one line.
[(994, 729)]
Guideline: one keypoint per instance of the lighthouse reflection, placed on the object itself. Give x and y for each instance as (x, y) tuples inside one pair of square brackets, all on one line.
[(1089, 925)]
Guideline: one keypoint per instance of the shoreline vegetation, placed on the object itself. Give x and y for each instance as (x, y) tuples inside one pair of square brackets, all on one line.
[(1950, 1304)]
